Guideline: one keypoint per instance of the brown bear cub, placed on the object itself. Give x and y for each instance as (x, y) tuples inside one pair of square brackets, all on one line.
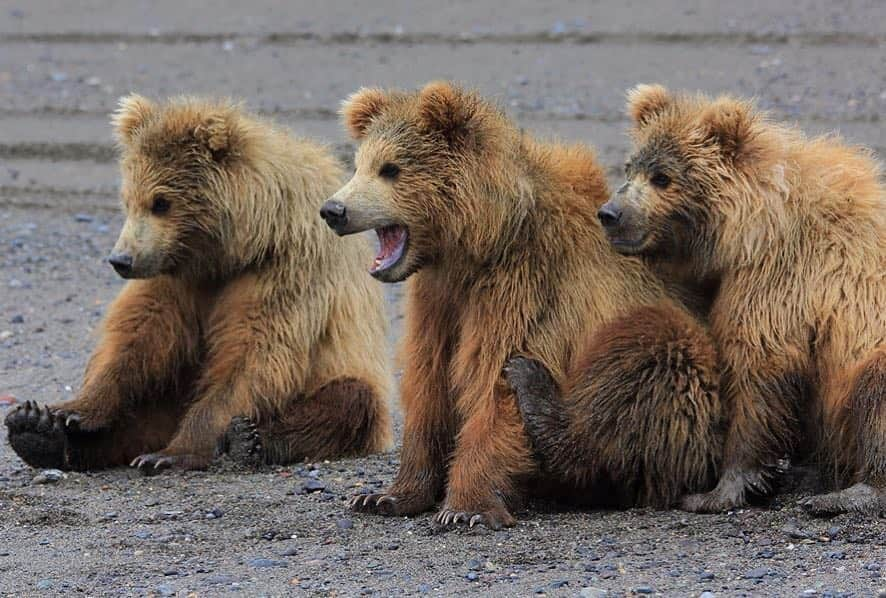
[(795, 231), (246, 324), (504, 256)]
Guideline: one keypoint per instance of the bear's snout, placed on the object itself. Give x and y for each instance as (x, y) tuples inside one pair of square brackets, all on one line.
[(122, 263), (609, 215), (335, 214)]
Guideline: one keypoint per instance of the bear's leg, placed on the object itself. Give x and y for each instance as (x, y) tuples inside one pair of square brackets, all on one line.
[(341, 419), (148, 340), (491, 457), (764, 424), (865, 410), (428, 410), (641, 410)]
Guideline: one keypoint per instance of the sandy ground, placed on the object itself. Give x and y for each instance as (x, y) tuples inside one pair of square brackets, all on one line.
[(561, 68)]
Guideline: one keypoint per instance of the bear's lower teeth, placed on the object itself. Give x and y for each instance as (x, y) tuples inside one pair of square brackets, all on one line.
[(392, 240)]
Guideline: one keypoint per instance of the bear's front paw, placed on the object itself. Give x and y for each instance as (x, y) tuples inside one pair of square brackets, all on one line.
[(393, 503)]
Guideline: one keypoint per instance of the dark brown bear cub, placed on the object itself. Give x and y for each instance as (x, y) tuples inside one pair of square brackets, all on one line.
[(245, 324), (498, 237)]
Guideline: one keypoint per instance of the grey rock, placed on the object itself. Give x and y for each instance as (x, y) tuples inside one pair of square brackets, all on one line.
[(593, 593), (758, 573), (48, 476), (311, 486), (165, 590)]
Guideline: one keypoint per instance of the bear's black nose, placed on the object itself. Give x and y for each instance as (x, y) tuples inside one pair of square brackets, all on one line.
[(122, 263), (609, 215), (335, 214)]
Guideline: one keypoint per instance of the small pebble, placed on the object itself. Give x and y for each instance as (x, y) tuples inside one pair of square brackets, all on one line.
[(44, 584), (836, 555), (643, 590), (289, 551), (215, 513), (706, 576), (593, 593), (795, 532), (758, 573), (312, 485), (220, 579), (82, 217), (424, 588), (261, 563), (344, 524), (706, 595), (165, 590), (474, 565), (17, 319), (472, 576)]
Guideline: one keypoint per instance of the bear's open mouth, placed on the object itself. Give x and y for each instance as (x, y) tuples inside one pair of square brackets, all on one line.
[(392, 240)]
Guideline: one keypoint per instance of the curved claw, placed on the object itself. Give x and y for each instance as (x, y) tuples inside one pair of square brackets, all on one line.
[(478, 518), (386, 499), (150, 464), (72, 421)]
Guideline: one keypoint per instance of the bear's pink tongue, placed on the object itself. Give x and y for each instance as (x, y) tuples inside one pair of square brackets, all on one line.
[(391, 240)]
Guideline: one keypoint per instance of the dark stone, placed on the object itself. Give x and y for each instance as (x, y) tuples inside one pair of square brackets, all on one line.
[(261, 563)]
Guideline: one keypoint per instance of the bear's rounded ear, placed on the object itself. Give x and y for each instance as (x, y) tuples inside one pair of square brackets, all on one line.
[(730, 124), (448, 110), (131, 114), (218, 134), (361, 107), (647, 101)]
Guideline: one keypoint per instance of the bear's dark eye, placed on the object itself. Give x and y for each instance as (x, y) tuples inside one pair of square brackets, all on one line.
[(389, 170), (160, 206), (660, 180)]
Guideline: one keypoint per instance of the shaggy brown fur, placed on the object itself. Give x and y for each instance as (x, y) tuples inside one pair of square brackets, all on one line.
[(503, 256), (644, 382), (794, 229), (247, 306)]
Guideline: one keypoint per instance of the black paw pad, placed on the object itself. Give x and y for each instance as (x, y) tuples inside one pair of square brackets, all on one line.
[(37, 435), (243, 443)]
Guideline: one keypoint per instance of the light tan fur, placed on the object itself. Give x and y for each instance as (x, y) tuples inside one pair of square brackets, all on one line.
[(248, 305)]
